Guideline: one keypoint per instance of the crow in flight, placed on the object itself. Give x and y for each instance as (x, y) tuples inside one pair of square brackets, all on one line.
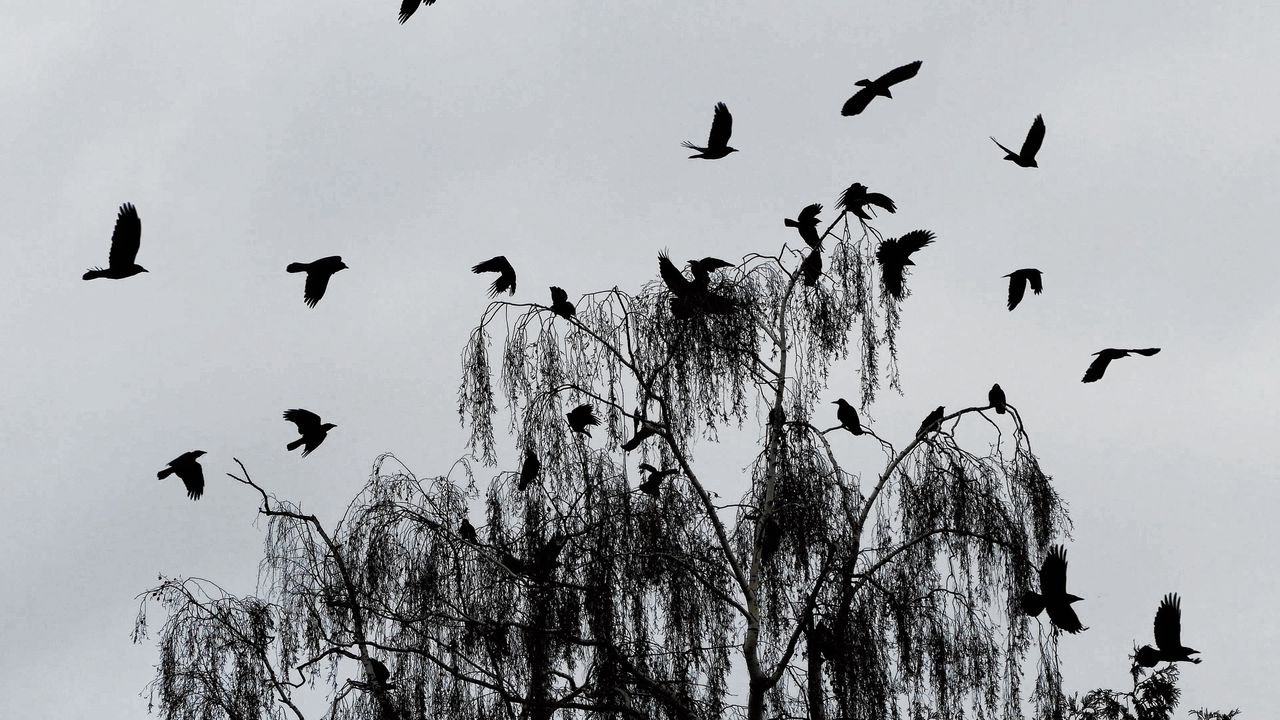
[(560, 304), (855, 198), (1053, 597), (996, 398), (650, 486), (1099, 365), (125, 240), (931, 422), (703, 268), (894, 256), (581, 417), (811, 268), (506, 281), (529, 470), (187, 467), (1030, 146), (718, 141), (313, 433), (409, 7), (1018, 280), (1168, 629), (848, 417), (318, 274), (879, 86), (693, 295), (807, 225)]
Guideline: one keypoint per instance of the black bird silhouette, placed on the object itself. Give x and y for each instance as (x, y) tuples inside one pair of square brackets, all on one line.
[(318, 274), (506, 281), (1105, 356), (1168, 630), (1053, 597), (894, 256), (811, 268), (546, 560), (125, 240), (468, 531), (1018, 280), (378, 671), (654, 481), (693, 295), (703, 268), (560, 304), (931, 422), (996, 398), (848, 417), (807, 225), (309, 427), (824, 641), (718, 141), (581, 417), (644, 433), (512, 563), (529, 470), (409, 7), (880, 86), (1030, 146), (187, 467), (855, 198)]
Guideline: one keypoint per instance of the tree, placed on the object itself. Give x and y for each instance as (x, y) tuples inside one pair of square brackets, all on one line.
[(1153, 697), (820, 592)]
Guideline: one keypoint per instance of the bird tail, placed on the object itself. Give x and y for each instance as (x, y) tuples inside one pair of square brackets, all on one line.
[(296, 267), (164, 473), (691, 146), (295, 445), (94, 273)]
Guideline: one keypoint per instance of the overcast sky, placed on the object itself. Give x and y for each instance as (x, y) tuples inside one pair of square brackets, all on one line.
[(254, 134)]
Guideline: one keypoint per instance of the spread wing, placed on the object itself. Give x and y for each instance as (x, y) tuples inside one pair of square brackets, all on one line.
[(1037, 282), (1064, 617), (497, 264), (672, 276), (913, 241), (1146, 351), (1097, 367), (882, 201), (809, 215), (1168, 624), (317, 283), (126, 238), (711, 264), (192, 476), (408, 7), (858, 102), (306, 420), (1002, 147), (1017, 287), (1035, 136), (1053, 573), (721, 127), (898, 74)]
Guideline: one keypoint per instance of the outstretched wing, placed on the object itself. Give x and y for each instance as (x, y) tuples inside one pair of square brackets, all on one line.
[(1148, 352), (1097, 367), (1053, 573), (317, 283), (126, 238), (192, 476), (1002, 147), (913, 241), (672, 276), (1017, 287), (721, 127), (858, 102), (1064, 617), (898, 74), (497, 264), (1168, 624), (1035, 136), (711, 264), (306, 420), (408, 7), (809, 215), (1037, 282), (881, 200)]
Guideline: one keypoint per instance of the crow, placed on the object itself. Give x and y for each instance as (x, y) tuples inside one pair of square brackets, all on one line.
[(512, 563), (1053, 597), (690, 296), (996, 398), (468, 531), (894, 256), (1030, 146), (378, 671), (703, 268), (1105, 356), (529, 470), (125, 240), (650, 485), (847, 416), (546, 560), (718, 141), (811, 268), (1018, 280), (560, 304), (807, 224), (409, 7), (644, 433), (313, 433), (506, 281), (1168, 630), (581, 417), (931, 422), (869, 89), (318, 274), (855, 198), (187, 467), (824, 641)]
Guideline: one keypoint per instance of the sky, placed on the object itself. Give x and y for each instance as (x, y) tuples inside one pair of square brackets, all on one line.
[(250, 135)]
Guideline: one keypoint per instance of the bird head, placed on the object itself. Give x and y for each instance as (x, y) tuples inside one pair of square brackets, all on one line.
[(197, 453), (327, 427), (341, 266)]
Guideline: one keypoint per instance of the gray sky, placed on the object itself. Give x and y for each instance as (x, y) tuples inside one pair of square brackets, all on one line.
[(252, 134)]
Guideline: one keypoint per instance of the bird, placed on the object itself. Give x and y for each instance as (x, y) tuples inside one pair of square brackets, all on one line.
[(309, 427), (824, 640), (125, 240), (187, 467), (506, 281), (703, 268), (468, 531), (560, 304), (894, 255), (581, 417), (318, 274), (807, 225), (1018, 280), (718, 141), (1105, 356), (856, 197), (847, 416), (1053, 597), (996, 397), (1027, 156), (931, 422), (529, 470), (811, 268), (512, 563), (650, 485), (644, 433), (1168, 631), (869, 89), (690, 296), (409, 7)]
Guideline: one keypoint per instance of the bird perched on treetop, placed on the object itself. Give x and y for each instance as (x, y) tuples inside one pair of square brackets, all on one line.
[(806, 223), (879, 86), (848, 417), (187, 467), (560, 304), (894, 255), (409, 7), (1018, 280), (811, 268), (1168, 630), (703, 268), (654, 481), (506, 281), (931, 422), (467, 531), (855, 198), (529, 470), (1027, 156), (1053, 597), (318, 274), (1105, 356), (378, 672), (718, 141), (309, 427), (996, 398), (693, 295), (581, 417), (125, 240)]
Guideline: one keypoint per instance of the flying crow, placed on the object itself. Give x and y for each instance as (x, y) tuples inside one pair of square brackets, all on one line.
[(894, 256), (309, 427), (879, 86), (1053, 597), (125, 240), (1030, 146), (318, 274), (1018, 280), (1099, 365), (506, 281), (718, 141), (409, 7), (1168, 629), (807, 224), (187, 467)]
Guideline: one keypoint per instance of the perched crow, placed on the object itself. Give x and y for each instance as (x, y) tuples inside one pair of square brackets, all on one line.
[(1168, 629), (703, 268), (309, 427), (125, 240), (1053, 597), (811, 268), (718, 141), (996, 398), (529, 470), (318, 274), (468, 531), (848, 417), (581, 417), (807, 224), (894, 256), (879, 86), (855, 198), (691, 296), (378, 671), (409, 7), (560, 304), (187, 467), (506, 281), (1099, 365), (1018, 280), (650, 485), (770, 537), (546, 560), (931, 422), (1030, 146), (644, 433)]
